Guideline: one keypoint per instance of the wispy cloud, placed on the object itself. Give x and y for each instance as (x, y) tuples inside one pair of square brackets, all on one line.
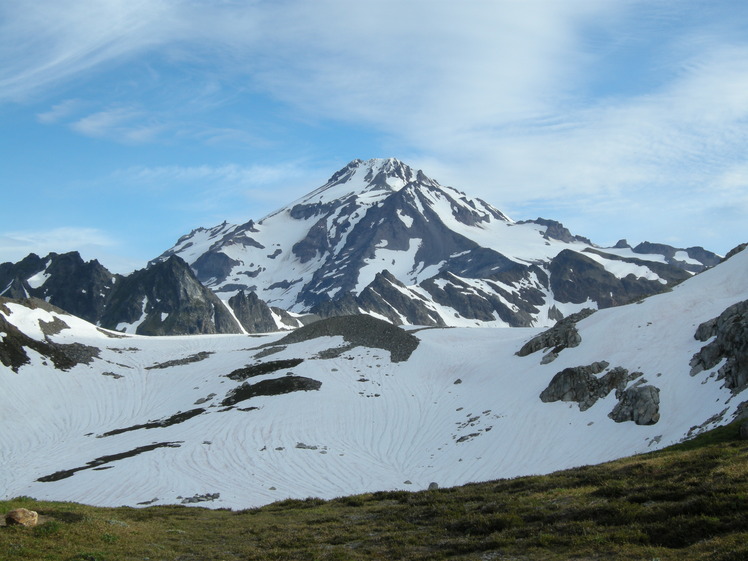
[(49, 42), (206, 188), (60, 111), (90, 242), (602, 105)]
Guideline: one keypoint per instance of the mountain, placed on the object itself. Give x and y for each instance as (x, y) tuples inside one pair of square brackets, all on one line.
[(354, 404), (384, 239), (66, 281), (163, 299)]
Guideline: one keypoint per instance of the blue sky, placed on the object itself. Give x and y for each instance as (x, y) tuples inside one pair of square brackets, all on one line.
[(127, 123)]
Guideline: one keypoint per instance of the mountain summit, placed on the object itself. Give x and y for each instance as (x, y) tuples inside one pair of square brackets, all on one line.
[(382, 238)]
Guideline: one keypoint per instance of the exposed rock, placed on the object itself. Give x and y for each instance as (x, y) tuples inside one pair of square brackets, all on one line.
[(577, 278), (555, 230), (64, 280), (14, 343), (241, 374), (385, 296), (433, 486), (273, 386), (735, 251), (580, 384), (21, 517), (201, 498), (360, 330), (706, 258), (167, 299), (253, 314), (197, 357), (561, 336), (640, 404), (730, 333)]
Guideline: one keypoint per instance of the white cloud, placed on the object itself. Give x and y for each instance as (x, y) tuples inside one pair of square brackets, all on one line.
[(209, 189), (60, 112), (108, 122), (49, 42)]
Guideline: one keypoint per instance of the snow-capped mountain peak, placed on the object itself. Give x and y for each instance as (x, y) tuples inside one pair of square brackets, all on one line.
[(366, 182), (450, 257)]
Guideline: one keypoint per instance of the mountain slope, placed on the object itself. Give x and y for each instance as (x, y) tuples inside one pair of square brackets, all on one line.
[(332, 409), (164, 299), (384, 239)]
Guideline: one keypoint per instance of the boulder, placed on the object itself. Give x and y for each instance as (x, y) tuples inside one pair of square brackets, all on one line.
[(21, 517), (561, 336), (640, 404), (729, 340), (581, 384)]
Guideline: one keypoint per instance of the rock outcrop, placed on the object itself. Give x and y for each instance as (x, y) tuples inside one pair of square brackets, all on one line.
[(580, 384), (561, 336), (730, 343), (15, 343), (640, 404), (254, 314), (21, 517), (166, 299), (359, 330)]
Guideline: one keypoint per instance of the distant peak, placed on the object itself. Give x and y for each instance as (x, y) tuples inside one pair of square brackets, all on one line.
[(373, 168), (375, 176)]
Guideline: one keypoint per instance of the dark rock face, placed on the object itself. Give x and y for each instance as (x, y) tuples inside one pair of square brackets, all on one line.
[(576, 278), (561, 336), (735, 250), (706, 258), (78, 287), (253, 314), (359, 330), (580, 384), (14, 343), (640, 404), (387, 297), (273, 386), (557, 231), (167, 299), (730, 332), (211, 266)]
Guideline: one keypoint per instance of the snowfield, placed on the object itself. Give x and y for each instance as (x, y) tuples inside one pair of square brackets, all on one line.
[(463, 407)]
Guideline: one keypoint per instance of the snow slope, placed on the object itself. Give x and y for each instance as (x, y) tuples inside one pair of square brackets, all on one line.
[(463, 407)]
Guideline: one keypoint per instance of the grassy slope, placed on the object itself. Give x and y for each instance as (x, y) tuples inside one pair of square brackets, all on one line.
[(685, 502)]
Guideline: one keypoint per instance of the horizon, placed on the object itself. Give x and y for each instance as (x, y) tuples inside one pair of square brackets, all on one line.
[(130, 124)]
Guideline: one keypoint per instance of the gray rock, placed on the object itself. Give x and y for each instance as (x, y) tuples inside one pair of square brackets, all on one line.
[(253, 314), (580, 384), (730, 341), (359, 330), (640, 404), (561, 336)]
